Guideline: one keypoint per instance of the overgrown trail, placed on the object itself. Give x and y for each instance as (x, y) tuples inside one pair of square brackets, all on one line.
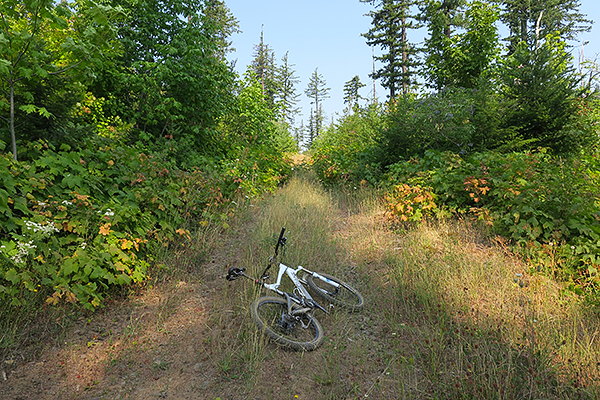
[(444, 319)]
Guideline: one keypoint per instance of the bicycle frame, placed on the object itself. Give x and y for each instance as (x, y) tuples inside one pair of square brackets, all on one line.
[(298, 283), (303, 298), (293, 275)]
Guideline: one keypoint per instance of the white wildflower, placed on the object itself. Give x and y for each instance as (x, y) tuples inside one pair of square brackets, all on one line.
[(23, 249), (46, 228)]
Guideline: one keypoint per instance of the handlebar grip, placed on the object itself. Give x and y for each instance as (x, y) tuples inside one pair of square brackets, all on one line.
[(279, 240)]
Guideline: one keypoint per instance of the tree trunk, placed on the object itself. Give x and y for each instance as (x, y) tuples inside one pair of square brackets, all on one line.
[(404, 58), (12, 120)]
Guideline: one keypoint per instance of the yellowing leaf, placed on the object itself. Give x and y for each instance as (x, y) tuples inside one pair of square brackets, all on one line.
[(52, 300), (70, 297), (105, 229)]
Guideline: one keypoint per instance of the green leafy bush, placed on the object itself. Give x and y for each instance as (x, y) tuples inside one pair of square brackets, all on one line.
[(76, 223), (537, 200), (438, 121), (345, 151)]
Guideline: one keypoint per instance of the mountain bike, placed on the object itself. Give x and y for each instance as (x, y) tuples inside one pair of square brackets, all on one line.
[(288, 319)]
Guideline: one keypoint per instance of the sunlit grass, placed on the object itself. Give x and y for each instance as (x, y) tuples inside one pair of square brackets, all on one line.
[(451, 313), (470, 318)]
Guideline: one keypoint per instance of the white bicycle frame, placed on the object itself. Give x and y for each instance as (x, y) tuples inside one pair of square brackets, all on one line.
[(293, 274)]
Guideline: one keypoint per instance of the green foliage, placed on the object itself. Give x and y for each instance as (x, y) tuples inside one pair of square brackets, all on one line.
[(263, 66), (390, 23), (344, 151), (316, 91), (549, 16), (227, 24), (75, 224), (150, 132), (441, 17), (287, 95), (440, 121), (41, 43), (539, 86), (534, 199), (351, 92), (474, 52), (170, 81)]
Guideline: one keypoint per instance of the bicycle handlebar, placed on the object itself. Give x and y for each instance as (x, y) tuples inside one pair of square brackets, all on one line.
[(280, 241)]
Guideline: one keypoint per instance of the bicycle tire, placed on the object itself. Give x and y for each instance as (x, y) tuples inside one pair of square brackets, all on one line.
[(271, 316), (345, 296)]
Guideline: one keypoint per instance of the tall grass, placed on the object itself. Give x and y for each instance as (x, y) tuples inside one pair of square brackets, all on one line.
[(470, 320), (451, 313)]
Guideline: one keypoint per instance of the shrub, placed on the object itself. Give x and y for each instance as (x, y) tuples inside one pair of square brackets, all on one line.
[(439, 121), (345, 152), (535, 199), (73, 224)]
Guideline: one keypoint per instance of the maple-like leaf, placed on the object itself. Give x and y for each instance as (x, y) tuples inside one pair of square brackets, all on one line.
[(105, 229)]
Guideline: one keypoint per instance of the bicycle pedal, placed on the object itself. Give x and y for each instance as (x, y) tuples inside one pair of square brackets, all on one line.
[(233, 273)]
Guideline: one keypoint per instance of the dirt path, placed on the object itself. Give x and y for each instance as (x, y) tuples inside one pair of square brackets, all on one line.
[(191, 337), (446, 317)]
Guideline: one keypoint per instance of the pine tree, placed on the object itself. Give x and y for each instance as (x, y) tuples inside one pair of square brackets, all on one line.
[(311, 128), (540, 85), (218, 12), (263, 64), (317, 91), (390, 25), (351, 95), (287, 96), (530, 20)]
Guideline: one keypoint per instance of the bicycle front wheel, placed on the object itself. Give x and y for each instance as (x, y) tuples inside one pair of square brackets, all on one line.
[(299, 332), (344, 295)]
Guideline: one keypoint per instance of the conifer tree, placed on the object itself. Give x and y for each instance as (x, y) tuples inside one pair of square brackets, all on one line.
[(317, 91), (263, 64), (351, 88), (311, 128), (218, 12), (287, 95), (531, 20), (390, 24)]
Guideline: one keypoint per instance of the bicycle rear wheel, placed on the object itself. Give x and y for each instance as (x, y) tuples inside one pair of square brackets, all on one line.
[(299, 332), (344, 296)]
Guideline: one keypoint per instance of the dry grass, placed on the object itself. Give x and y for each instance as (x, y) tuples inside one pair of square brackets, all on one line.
[(450, 314), (469, 320)]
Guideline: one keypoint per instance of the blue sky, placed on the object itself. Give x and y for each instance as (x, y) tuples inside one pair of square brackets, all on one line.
[(326, 34)]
